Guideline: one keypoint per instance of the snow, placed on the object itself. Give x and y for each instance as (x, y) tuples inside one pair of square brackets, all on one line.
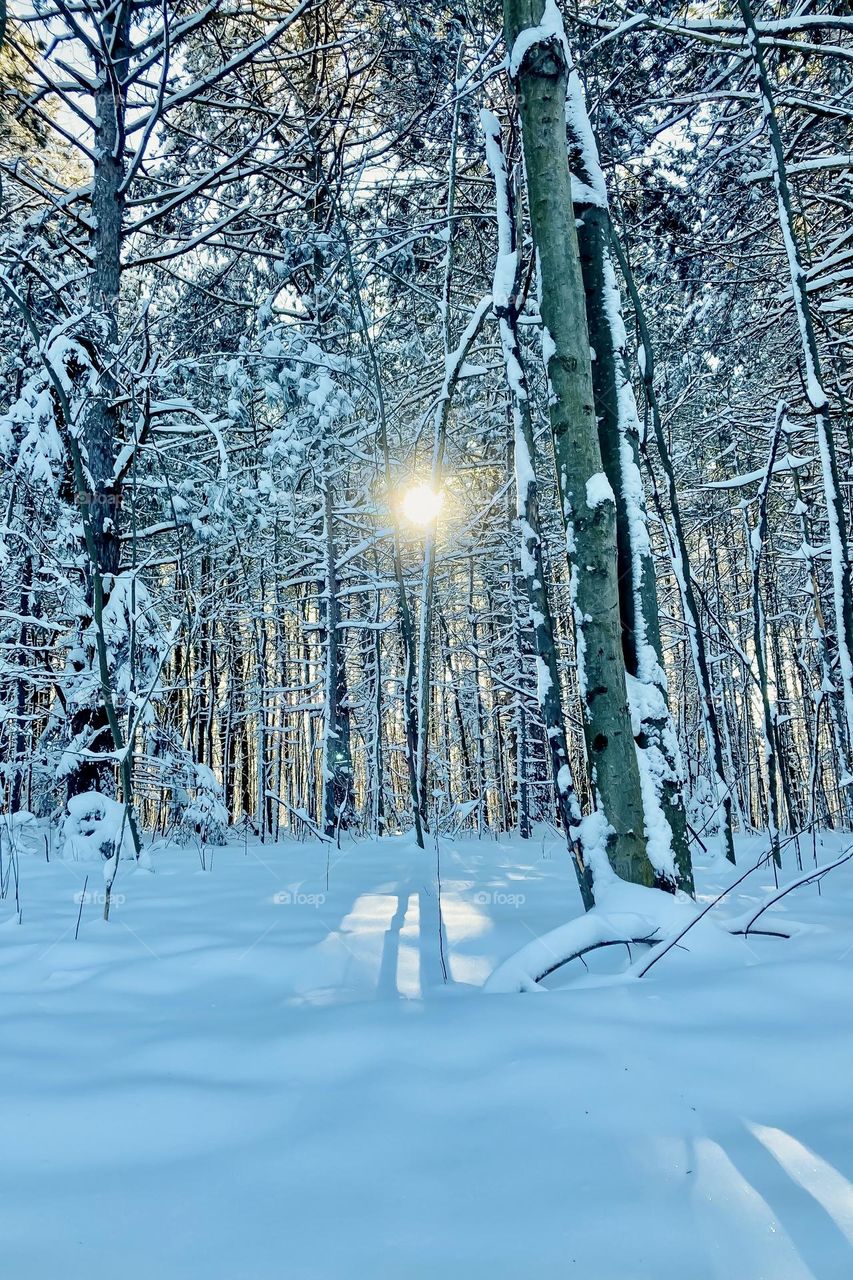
[(550, 29), (598, 491), (507, 260), (506, 264), (543, 680), (658, 762), (564, 779), (591, 187), (525, 475), (93, 827), (29, 434), (549, 346), (789, 463), (218, 1083), (622, 911), (594, 831)]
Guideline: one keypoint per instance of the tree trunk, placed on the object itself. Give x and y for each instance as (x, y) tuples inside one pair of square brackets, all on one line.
[(337, 758), (659, 757), (527, 509), (677, 543), (539, 64), (101, 418)]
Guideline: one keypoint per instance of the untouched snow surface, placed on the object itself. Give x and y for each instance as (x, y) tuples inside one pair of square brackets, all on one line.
[(247, 1075)]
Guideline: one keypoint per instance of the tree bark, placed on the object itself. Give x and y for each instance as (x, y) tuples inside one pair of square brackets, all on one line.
[(548, 685), (539, 65), (677, 542), (618, 432), (101, 418)]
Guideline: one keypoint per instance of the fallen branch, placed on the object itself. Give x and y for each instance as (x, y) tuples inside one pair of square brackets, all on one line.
[(638, 916), (599, 928)]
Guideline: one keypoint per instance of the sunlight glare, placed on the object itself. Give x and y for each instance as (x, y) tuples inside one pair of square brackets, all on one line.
[(421, 504)]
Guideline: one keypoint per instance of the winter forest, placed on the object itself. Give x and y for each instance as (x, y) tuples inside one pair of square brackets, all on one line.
[(426, 486)]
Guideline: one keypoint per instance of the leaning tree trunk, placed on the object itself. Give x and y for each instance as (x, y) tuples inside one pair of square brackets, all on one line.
[(659, 755), (504, 294), (539, 65), (677, 542)]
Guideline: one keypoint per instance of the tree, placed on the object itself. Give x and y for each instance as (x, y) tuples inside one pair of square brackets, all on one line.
[(539, 65)]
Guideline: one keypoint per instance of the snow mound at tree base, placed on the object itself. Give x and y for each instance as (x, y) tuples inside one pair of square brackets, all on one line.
[(624, 914)]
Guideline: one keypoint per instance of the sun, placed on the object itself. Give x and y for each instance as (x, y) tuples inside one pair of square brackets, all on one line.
[(421, 504)]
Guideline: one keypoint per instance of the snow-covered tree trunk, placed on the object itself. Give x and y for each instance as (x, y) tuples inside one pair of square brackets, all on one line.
[(677, 544), (828, 691), (504, 294), (19, 744), (425, 636), (99, 428), (479, 713), (337, 757), (539, 66), (659, 756), (372, 662), (757, 537)]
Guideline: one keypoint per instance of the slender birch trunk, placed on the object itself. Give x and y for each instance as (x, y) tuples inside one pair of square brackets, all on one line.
[(337, 769), (425, 638), (756, 539), (820, 633)]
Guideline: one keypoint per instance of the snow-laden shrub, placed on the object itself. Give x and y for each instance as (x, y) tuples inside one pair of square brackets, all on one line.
[(17, 828), (14, 829), (205, 818), (95, 826), (30, 439)]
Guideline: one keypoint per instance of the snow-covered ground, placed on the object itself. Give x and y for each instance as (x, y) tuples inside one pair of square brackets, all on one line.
[(250, 1075)]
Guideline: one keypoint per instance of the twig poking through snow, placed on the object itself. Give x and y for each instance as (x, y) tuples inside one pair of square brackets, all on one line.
[(731, 926), (80, 912), (817, 873)]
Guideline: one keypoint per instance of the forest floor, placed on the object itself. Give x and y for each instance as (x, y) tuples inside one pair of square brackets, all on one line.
[(249, 1074)]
